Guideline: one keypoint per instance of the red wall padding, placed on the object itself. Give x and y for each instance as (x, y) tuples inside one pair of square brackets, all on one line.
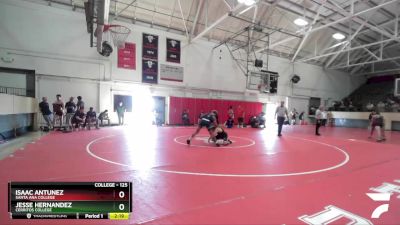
[(197, 105)]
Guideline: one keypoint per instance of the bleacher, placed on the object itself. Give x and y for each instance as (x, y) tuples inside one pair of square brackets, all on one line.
[(376, 90)]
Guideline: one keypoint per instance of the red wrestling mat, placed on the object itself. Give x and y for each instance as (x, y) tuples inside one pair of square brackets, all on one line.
[(259, 179)]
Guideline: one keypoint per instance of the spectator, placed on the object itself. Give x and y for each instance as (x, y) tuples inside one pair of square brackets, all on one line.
[(58, 109), (120, 112), (80, 104), (185, 117), (381, 106), (78, 118), (253, 121), (318, 120), (301, 118), (294, 116), (370, 106), (46, 113), (241, 115), (261, 120), (104, 116), (231, 113), (395, 107), (280, 114), (351, 106), (70, 107), (91, 118), (229, 123), (342, 107)]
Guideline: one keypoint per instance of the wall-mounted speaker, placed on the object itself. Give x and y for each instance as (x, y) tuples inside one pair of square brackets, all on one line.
[(295, 79), (258, 63)]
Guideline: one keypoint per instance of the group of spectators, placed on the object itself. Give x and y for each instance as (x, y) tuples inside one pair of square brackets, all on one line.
[(388, 105), (71, 114)]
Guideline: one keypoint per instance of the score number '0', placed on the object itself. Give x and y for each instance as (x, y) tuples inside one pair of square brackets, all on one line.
[(121, 195)]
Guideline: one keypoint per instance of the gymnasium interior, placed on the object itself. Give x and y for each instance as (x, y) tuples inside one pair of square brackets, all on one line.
[(199, 112)]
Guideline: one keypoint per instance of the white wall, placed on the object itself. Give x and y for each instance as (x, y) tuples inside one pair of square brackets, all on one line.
[(17, 104), (53, 41)]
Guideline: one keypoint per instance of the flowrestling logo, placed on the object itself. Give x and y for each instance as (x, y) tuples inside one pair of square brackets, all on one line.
[(331, 214), (381, 197)]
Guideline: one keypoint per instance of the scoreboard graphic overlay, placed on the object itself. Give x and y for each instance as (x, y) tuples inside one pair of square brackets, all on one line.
[(70, 200)]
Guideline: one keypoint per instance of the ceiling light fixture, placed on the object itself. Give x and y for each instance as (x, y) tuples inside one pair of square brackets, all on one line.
[(247, 2), (338, 36), (300, 22)]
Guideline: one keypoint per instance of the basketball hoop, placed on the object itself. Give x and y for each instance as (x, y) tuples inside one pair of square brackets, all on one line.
[(119, 34)]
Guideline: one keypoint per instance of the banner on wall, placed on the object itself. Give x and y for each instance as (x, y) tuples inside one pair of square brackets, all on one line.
[(127, 56), (171, 73), (150, 59), (173, 51), (150, 71), (150, 46)]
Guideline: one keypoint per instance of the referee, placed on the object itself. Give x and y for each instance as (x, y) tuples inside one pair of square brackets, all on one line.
[(281, 112), (318, 119)]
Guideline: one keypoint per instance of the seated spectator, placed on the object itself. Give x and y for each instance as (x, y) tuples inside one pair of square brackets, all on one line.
[(229, 123), (185, 118), (395, 107), (104, 116), (342, 107), (381, 106), (253, 121), (91, 118), (70, 107), (78, 119), (351, 106), (370, 106), (261, 120)]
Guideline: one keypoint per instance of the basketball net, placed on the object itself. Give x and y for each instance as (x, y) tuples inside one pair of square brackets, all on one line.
[(118, 34)]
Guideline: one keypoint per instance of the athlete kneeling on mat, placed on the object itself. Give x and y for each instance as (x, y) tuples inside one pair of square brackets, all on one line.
[(209, 120), (220, 137)]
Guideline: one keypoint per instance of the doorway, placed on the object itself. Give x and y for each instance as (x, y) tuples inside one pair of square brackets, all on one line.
[(159, 110)]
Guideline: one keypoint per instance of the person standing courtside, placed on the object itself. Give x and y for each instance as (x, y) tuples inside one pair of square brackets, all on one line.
[(45, 110), (280, 113), (318, 119), (80, 104), (121, 111), (58, 109), (70, 107), (241, 114)]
